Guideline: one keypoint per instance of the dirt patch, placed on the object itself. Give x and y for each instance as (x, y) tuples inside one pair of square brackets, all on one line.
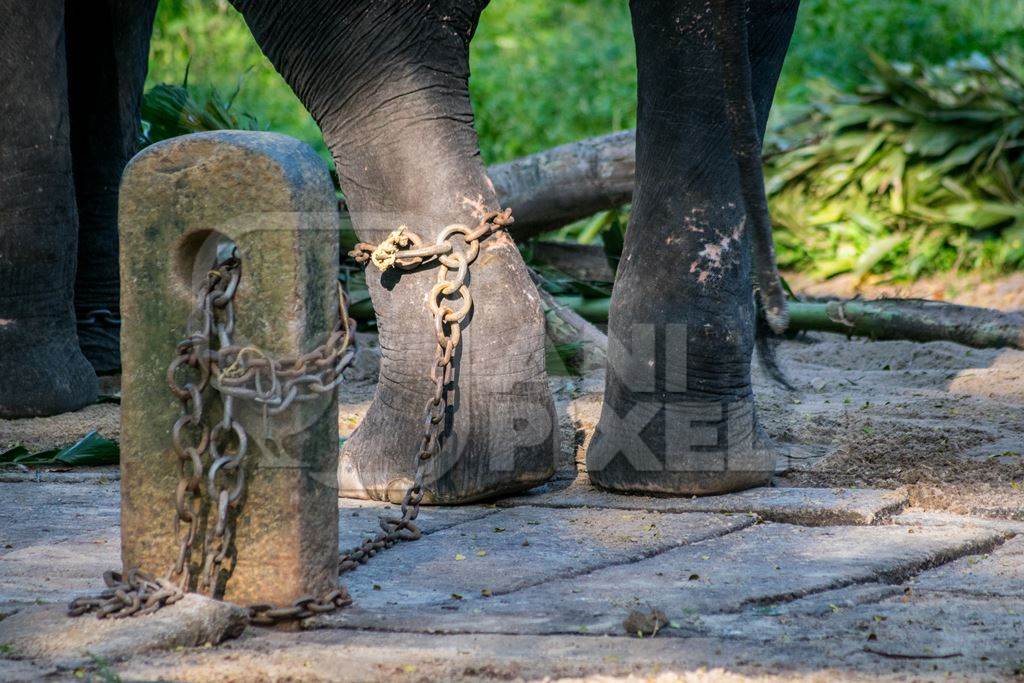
[(932, 468), (944, 421)]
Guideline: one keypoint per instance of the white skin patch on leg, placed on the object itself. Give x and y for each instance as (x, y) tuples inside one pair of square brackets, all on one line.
[(711, 258), (476, 206), (695, 222)]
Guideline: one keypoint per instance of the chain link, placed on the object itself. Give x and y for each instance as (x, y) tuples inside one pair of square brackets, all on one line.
[(134, 594), (303, 608), (233, 372), (406, 250)]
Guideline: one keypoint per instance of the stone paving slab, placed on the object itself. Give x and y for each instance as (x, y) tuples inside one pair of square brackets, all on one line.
[(917, 517), (358, 519), (687, 624), (69, 504), (56, 511), (586, 566), (25, 671), (807, 506), (522, 547), (771, 563), (64, 537), (58, 572), (363, 656), (827, 602), (999, 572), (757, 566), (48, 633), (909, 633)]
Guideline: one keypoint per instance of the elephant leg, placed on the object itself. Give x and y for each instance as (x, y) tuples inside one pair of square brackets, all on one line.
[(108, 52), (678, 414), (42, 370), (387, 81)]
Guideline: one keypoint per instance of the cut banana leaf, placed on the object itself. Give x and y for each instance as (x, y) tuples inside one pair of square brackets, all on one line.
[(11, 455), (90, 450)]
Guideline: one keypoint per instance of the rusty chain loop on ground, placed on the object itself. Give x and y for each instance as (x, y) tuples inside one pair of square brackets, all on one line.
[(406, 250), (233, 372)]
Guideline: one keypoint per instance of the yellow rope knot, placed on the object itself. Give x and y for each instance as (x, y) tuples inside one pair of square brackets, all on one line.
[(385, 255), (238, 368)]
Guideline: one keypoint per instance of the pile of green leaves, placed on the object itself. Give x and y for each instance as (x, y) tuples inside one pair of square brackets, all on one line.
[(545, 73), (920, 170), (211, 40), (172, 110)]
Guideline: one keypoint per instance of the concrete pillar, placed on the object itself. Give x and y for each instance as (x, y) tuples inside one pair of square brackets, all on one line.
[(272, 197)]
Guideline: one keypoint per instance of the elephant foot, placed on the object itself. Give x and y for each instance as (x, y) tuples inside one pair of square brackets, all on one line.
[(43, 370), (680, 449), (678, 416), (99, 338), (500, 426)]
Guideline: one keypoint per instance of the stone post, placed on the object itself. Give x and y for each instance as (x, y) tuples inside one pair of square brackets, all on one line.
[(181, 201)]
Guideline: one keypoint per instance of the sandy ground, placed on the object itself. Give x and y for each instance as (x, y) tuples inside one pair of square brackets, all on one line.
[(1004, 293), (943, 420)]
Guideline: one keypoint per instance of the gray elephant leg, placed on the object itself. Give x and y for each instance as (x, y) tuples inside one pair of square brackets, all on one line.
[(679, 415), (387, 83), (42, 370), (108, 52)]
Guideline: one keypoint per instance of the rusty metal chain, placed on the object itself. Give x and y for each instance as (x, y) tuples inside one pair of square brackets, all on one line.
[(223, 457), (407, 251), (234, 372), (304, 607), (250, 374), (126, 596)]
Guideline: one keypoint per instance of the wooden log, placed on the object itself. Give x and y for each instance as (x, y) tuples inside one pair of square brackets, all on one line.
[(883, 319), (558, 186), (585, 262), (912, 320)]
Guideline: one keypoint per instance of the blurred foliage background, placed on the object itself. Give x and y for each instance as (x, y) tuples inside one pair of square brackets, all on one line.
[(899, 190)]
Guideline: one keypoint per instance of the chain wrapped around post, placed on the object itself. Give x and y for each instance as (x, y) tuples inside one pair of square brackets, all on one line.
[(249, 374), (406, 250), (234, 372)]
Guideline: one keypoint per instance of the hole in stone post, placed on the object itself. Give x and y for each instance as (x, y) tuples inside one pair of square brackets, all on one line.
[(197, 253)]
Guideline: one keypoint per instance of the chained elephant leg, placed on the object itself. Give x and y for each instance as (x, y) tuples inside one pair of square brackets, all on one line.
[(678, 414), (388, 84), (108, 52)]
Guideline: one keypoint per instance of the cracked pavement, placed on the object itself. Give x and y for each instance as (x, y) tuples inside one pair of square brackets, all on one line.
[(777, 583)]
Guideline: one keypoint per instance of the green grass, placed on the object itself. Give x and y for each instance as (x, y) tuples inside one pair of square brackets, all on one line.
[(211, 40), (551, 71), (919, 171), (832, 37), (546, 72)]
